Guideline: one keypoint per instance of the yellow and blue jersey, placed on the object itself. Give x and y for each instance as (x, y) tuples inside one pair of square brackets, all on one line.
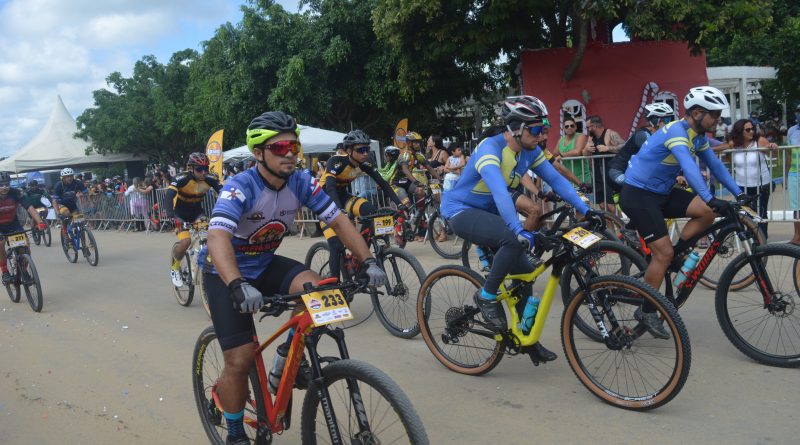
[(670, 151), (492, 170)]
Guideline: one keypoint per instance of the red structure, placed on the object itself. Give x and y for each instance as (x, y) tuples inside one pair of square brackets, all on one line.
[(614, 81)]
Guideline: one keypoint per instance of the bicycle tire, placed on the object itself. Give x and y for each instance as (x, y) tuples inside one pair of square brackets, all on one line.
[(427, 309), (630, 261), (396, 308), (13, 287), (439, 247), (47, 236), (355, 372), (203, 296), (184, 294), (750, 342), (204, 378), (318, 258), (37, 237), (712, 282), (29, 278), (89, 247), (643, 398), (69, 251)]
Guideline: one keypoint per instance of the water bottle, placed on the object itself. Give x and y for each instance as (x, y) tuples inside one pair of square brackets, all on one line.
[(277, 368), (688, 266), (529, 314)]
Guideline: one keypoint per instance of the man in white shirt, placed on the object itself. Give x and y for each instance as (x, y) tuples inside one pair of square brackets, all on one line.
[(793, 170)]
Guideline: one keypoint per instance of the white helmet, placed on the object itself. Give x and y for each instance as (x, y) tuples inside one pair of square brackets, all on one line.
[(67, 172), (708, 98), (523, 109), (658, 109)]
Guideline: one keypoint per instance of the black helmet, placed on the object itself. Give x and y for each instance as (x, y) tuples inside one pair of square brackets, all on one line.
[(355, 137), (5, 177), (268, 125), (392, 152)]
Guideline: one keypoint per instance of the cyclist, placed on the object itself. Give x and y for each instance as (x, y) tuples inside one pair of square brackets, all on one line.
[(10, 198), (253, 213), (480, 209), (339, 173), (410, 179), (65, 194), (185, 204), (648, 193), (34, 195), (658, 115)]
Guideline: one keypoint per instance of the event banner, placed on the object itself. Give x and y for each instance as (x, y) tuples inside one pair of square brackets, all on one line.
[(214, 153), (400, 133)]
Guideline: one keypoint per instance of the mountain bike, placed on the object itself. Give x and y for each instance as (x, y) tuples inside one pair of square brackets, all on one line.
[(23, 271), (627, 368), (76, 236), (191, 274), (347, 401), (395, 306), (42, 235)]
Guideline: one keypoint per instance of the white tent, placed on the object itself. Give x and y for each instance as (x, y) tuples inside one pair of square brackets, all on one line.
[(56, 146), (314, 140)]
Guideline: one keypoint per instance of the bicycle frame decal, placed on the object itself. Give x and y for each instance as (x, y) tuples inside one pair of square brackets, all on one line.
[(692, 279)]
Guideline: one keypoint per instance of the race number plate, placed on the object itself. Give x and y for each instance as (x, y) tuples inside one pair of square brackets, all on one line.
[(581, 237), (78, 218), (384, 225), (17, 240), (327, 307)]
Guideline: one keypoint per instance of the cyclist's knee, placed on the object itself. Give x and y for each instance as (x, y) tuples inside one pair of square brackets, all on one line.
[(306, 276), (239, 360), (662, 251), (183, 243)]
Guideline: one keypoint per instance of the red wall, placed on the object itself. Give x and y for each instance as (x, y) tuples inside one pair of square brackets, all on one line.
[(614, 76)]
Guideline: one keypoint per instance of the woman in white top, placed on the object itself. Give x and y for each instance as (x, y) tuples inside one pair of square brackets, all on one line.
[(751, 169)]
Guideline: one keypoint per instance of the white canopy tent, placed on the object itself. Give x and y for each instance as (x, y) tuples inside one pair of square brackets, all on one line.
[(314, 140), (56, 146)]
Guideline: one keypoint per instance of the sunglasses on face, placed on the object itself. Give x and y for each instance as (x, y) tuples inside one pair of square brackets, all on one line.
[(5, 185), (280, 148), (715, 114), (570, 126), (749, 130), (201, 169), (362, 150)]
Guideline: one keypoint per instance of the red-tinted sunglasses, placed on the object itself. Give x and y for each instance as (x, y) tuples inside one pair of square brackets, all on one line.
[(280, 148)]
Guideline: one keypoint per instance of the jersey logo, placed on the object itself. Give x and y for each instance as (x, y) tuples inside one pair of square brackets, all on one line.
[(265, 239), (315, 189), (232, 194)]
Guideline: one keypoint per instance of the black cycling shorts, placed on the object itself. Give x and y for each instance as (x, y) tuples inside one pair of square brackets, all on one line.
[(188, 215), (647, 210), (12, 227), (234, 328)]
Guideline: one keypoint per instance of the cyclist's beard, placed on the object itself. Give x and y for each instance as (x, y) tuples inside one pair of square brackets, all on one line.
[(283, 176)]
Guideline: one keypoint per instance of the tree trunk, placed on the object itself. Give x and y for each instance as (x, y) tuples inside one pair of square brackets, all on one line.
[(583, 35)]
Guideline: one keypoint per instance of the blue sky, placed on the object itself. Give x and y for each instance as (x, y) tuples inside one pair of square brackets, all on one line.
[(68, 47)]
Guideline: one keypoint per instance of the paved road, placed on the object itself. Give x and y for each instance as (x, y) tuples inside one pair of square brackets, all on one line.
[(108, 360)]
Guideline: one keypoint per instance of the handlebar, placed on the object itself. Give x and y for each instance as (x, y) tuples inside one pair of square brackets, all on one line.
[(385, 212), (274, 305)]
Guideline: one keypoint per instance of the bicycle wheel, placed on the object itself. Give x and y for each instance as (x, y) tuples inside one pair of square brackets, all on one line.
[(360, 394), (185, 293), (631, 370), (69, 250), (396, 308), (451, 324), (603, 258), (203, 296), (89, 247), (450, 247), (207, 365), (767, 333), (730, 248), (47, 236), (471, 257), (13, 287), (318, 257), (29, 278), (36, 235)]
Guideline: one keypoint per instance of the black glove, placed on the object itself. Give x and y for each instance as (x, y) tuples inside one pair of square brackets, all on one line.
[(534, 240), (719, 206), (246, 297), (547, 197), (744, 198), (596, 219), (585, 188)]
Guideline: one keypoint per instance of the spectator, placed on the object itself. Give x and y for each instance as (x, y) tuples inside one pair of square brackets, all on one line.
[(751, 169), (437, 154), (602, 141), (792, 172), (453, 167), (137, 202), (721, 132)]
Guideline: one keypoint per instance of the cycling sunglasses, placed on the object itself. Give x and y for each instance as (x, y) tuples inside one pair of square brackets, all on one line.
[(280, 148), (539, 129), (201, 169), (362, 150)]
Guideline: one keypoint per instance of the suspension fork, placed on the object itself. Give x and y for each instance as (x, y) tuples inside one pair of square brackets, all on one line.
[(323, 394), (592, 303)]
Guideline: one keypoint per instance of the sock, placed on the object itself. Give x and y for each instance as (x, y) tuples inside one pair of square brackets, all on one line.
[(487, 296), (176, 264), (235, 423)]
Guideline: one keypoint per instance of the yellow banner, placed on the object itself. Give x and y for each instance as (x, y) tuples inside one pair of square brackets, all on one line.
[(400, 133), (214, 153)]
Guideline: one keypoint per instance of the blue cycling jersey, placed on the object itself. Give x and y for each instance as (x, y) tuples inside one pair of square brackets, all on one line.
[(259, 216), (492, 170), (670, 150)]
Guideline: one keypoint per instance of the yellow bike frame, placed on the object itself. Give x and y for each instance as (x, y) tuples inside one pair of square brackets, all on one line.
[(544, 306)]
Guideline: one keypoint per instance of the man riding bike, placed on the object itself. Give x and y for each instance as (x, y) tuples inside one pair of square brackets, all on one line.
[(34, 195), (480, 209), (340, 171), (10, 198), (253, 213), (648, 194), (658, 115), (185, 204), (65, 195), (405, 182)]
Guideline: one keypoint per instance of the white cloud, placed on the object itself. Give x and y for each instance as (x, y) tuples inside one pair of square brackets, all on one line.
[(68, 47)]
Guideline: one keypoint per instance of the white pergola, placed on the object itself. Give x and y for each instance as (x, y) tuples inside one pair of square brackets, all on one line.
[(741, 81)]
